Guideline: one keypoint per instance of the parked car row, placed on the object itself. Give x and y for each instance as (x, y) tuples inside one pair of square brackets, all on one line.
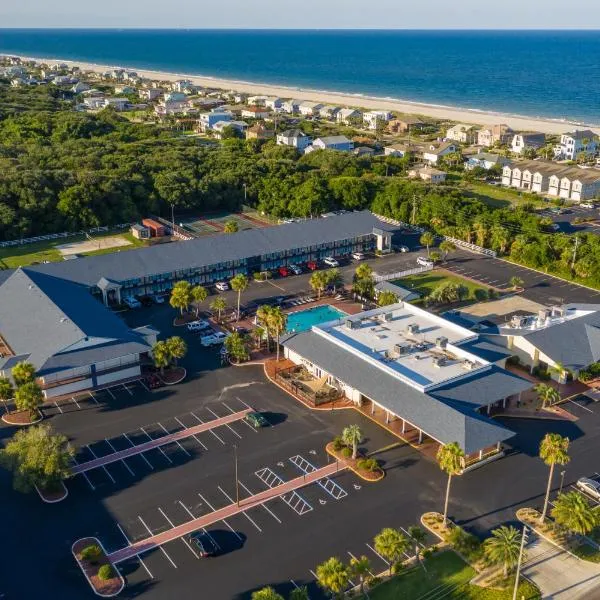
[(138, 302)]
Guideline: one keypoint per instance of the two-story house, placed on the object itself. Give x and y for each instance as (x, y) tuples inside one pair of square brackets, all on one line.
[(462, 133), (524, 141), (295, 138), (582, 143), (497, 134)]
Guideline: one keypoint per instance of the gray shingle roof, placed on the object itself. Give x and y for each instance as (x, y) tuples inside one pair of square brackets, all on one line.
[(448, 416), (211, 250)]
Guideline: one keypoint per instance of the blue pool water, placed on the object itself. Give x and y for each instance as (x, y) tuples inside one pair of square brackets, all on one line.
[(303, 320)]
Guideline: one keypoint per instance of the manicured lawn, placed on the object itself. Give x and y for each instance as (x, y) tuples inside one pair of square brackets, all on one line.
[(425, 283), (449, 575)]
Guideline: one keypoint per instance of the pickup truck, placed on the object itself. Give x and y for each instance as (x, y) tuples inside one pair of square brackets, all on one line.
[(214, 339)]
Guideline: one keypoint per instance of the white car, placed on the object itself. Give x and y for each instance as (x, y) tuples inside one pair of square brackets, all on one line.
[(222, 286), (424, 261), (131, 302), (331, 262), (587, 205), (198, 325), (295, 269), (214, 339), (590, 486), (358, 256), (403, 249)]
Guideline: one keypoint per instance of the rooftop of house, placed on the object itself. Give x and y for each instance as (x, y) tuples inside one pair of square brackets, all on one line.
[(581, 134), (292, 133), (334, 139)]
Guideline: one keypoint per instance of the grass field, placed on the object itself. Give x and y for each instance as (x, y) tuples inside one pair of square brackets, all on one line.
[(499, 196), (22, 256), (449, 575), (425, 283)]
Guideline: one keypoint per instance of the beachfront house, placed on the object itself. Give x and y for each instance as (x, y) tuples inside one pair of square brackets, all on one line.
[(274, 103), (497, 134), (349, 116), (310, 109), (329, 112), (295, 138), (579, 144), (434, 152), (428, 174), (255, 112), (182, 85), (462, 133), (150, 93), (207, 121), (376, 118), (404, 125), (291, 107), (486, 160), (256, 100), (333, 142), (531, 140)]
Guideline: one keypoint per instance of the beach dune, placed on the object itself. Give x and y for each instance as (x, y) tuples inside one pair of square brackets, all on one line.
[(446, 113)]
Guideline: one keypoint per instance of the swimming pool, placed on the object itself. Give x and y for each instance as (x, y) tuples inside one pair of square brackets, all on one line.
[(303, 320)]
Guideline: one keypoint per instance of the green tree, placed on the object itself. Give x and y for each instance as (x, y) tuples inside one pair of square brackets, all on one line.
[(427, 239), (450, 458), (447, 247), (106, 572), (435, 256), (363, 281), (23, 372), (199, 295), (236, 347), (238, 284), (352, 435), (385, 298), (391, 544), (554, 450), (503, 548), (231, 226), (299, 593), (360, 568), (176, 348), (418, 537), (318, 282), (37, 457), (334, 278), (267, 593), (277, 322), (218, 305), (30, 397), (515, 282), (547, 394), (161, 355), (573, 511), (332, 575), (181, 296), (6, 391), (263, 313), (448, 292)]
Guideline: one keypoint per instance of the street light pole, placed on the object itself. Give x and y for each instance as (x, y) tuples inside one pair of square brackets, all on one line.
[(562, 480), (237, 482), (173, 218), (523, 540)]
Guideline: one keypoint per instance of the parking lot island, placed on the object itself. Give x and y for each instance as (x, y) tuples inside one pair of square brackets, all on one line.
[(92, 560)]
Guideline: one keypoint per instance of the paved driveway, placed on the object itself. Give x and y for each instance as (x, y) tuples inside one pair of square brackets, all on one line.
[(559, 575)]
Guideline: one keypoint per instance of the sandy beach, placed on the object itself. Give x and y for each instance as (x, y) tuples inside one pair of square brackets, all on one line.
[(449, 113)]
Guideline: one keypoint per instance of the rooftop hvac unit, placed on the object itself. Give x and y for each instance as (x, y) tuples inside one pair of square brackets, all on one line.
[(351, 324), (439, 361), (412, 328), (388, 316), (401, 349), (441, 342), (559, 311), (469, 365), (544, 313), (518, 321)]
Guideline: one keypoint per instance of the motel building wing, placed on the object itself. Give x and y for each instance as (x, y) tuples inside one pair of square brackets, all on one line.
[(420, 374)]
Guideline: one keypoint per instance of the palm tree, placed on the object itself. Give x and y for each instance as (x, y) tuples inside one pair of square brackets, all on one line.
[(503, 547), (446, 247), (199, 295), (6, 391), (219, 305), (161, 355), (574, 512), (176, 348), (553, 451), (352, 435), (427, 239), (277, 320), (236, 347), (516, 282), (500, 237), (332, 575), (385, 298), (360, 568), (318, 282), (334, 278), (363, 281), (450, 459), (238, 284), (418, 536), (231, 227), (258, 334), (391, 544), (30, 397), (299, 593), (547, 394), (181, 295), (262, 316), (23, 372), (481, 232), (267, 593)]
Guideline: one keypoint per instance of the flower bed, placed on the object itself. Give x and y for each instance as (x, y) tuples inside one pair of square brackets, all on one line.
[(55, 495), (173, 375), (357, 464), (20, 418), (94, 565)]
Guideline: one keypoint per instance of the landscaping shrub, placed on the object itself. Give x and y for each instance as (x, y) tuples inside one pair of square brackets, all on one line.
[(370, 464), (346, 452), (91, 553), (338, 443), (481, 295), (106, 572), (465, 543), (362, 464), (492, 294)]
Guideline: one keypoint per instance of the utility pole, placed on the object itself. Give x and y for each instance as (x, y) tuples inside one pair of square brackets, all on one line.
[(172, 219), (523, 540), (237, 482), (574, 253), (245, 192), (413, 216)]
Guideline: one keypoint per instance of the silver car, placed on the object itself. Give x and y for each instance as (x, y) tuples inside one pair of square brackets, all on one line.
[(590, 486)]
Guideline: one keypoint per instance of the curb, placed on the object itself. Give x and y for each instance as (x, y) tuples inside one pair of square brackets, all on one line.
[(355, 471), (85, 574), (66, 493), (174, 382), (540, 534), (40, 418)]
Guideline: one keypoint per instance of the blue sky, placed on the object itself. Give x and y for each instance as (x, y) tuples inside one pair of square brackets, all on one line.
[(318, 14)]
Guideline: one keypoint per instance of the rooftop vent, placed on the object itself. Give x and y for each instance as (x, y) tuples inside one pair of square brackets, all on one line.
[(518, 321), (441, 342), (351, 324), (412, 328), (439, 361), (469, 365), (402, 349), (388, 316), (63, 319), (544, 313), (558, 311)]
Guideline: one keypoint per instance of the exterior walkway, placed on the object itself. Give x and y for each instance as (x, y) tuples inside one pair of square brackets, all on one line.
[(166, 439), (223, 513)]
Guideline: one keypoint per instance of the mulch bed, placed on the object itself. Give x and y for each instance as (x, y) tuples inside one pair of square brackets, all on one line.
[(20, 417), (182, 320), (353, 465), (108, 587), (173, 375), (55, 495)]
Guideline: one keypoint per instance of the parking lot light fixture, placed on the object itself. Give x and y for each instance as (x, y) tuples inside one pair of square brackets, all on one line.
[(562, 481), (237, 481)]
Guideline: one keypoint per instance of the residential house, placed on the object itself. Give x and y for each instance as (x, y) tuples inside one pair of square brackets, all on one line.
[(404, 124), (329, 112), (175, 97), (174, 107), (295, 138), (291, 107), (525, 141), (401, 150), (486, 160), (255, 112), (150, 93), (118, 104), (259, 132), (182, 85), (333, 142), (208, 120), (428, 174), (465, 134), (220, 126), (376, 118), (310, 109), (80, 87), (256, 100), (349, 116), (573, 183), (124, 89), (582, 143), (94, 102), (497, 134), (435, 151), (274, 103), (363, 151), (238, 97)]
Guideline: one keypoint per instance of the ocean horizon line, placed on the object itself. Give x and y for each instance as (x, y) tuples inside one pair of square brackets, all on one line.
[(309, 29)]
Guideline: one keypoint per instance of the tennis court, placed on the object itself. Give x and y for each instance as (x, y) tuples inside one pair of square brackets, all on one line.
[(215, 223)]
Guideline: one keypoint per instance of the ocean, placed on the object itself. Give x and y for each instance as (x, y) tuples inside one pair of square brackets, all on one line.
[(549, 74)]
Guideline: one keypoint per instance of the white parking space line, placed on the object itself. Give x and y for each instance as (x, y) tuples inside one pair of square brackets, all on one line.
[(86, 477), (162, 512), (224, 521), (294, 584), (244, 403), (159, 448), (167, 432), (59, 408), (194, 436), (241, 420), (354, 557), (141, 454), (161, 548), (410, 538), (211, 430), (144, 385), (244, 513), (581, 406), (93, 398), (226, 424), (111, 394), (127, 389), (103, 466), (377, 554), (189, 512), (124, 463), (262, 505), (76, 403), (145, 567)]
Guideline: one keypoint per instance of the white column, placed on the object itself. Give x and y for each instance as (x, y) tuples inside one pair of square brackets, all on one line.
[(387, 416), (104, 298), (372, 408), (403, 425), (420, 436), (480, 454), (504, 403), (489, 407)]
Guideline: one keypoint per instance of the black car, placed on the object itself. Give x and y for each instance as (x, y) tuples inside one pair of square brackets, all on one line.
[(202, 543)]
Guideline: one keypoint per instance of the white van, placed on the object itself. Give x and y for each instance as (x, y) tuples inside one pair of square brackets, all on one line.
[(424, 261), (214, 339)]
